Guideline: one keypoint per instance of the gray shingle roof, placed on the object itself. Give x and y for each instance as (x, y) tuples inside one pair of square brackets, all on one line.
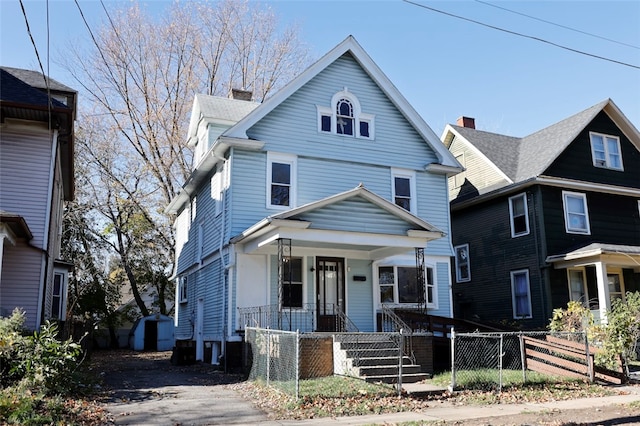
[(35, 79), (219, 108), (524, 158)]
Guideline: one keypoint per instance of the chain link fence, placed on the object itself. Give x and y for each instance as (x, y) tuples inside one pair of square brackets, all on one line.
[(274, 358), (490, 360), (283, 358)]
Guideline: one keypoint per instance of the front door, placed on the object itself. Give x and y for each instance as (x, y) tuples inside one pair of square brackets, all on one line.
[(330, 292)]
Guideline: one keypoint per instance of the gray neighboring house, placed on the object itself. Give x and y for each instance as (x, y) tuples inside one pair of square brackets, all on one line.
[(36, 178)]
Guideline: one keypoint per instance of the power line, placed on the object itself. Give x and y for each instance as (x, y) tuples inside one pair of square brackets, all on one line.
[(558, 25), (522, 35), (33, 42)]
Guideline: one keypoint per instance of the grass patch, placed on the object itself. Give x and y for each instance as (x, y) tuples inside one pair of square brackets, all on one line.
[(343, 396), (342, 387)]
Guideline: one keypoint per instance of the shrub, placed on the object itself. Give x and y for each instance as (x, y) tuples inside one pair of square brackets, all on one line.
[(40, 361), (617, 337), (45, 362)]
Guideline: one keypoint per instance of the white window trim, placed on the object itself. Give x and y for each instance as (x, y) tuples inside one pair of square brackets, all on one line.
[(513, 293), (526, 215), (405, 263), (458, 278), (567, 226), (607, 164), (217, 182), (433, 285), (407, 174), (358, 116), (183, 288), (200, 243), (292, 160)]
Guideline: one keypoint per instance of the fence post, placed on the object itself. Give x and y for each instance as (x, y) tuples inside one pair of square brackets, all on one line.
[(453, 360), (297, 364), (400, 360), (590, 363), (523, 358), (268, 355), (500, 356)]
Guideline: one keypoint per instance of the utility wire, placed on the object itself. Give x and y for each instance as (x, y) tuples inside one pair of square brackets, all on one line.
[(95, 42), (522, 35), (558, 25), (26, 21)]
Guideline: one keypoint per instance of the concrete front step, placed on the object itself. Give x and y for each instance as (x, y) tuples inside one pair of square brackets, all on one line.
[(372, 353), (379, 360), (385, 370), (393, 378)]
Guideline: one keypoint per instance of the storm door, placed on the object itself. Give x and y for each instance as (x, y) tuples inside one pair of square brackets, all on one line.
[(330, 292)]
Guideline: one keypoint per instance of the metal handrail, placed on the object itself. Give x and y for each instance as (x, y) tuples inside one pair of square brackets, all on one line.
[(346, 325), (399, 326), (304, 318)]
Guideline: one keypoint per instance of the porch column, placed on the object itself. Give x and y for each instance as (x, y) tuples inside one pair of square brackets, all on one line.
[(603, 290), (420, 278), (284, 257)]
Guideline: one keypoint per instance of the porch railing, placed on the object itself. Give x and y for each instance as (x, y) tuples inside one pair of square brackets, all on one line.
[(304, 319), (391, 322)]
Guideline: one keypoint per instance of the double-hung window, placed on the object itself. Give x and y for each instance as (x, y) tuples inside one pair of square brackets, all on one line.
[(605, 151), (399, 284), (404, 189), (521, 294), (463, 268), (281, 181), (292, 283), (576, 215), (518, 215), (577, 285), (57, 300)]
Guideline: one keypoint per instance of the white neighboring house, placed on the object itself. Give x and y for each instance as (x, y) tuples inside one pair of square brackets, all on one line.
[(36, 177), (312, 209)]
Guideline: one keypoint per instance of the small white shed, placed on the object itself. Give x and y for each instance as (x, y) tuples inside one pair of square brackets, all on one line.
[(152, 333)]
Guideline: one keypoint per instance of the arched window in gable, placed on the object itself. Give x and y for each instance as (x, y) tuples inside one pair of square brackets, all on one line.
[(345, 117)]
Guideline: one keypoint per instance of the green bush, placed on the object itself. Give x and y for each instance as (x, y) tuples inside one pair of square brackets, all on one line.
[(40, 361), (617, 337)]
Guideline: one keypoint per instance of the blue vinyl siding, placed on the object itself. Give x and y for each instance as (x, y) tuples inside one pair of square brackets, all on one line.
[(443, 279), (433, 206), (212, 285), (396, 143), (357, 215), (360, 295)]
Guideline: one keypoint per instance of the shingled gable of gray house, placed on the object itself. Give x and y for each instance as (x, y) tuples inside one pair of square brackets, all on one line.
[(311, 207), (544, 219)]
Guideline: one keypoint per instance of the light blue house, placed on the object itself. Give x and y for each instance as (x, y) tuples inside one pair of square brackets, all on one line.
[(311, 210)]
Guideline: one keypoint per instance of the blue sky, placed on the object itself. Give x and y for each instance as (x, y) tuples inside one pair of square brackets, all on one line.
[(445, 66)]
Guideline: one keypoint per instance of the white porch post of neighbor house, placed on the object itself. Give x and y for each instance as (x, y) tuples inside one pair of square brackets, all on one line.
[(602, 281)]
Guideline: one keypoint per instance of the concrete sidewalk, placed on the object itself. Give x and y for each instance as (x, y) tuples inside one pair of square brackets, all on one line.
[(460, 413)]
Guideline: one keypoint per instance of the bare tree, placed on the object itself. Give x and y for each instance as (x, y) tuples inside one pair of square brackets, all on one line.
[(140, 78)]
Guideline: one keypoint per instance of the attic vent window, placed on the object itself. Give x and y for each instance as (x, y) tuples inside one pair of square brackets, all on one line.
[(605, 151), (345, 117)]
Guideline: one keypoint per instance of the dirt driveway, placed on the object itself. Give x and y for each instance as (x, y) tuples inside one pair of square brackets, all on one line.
[(144, 388)]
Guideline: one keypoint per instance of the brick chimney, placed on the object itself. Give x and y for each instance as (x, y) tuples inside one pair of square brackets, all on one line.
[(467, 122), (241, 95)]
